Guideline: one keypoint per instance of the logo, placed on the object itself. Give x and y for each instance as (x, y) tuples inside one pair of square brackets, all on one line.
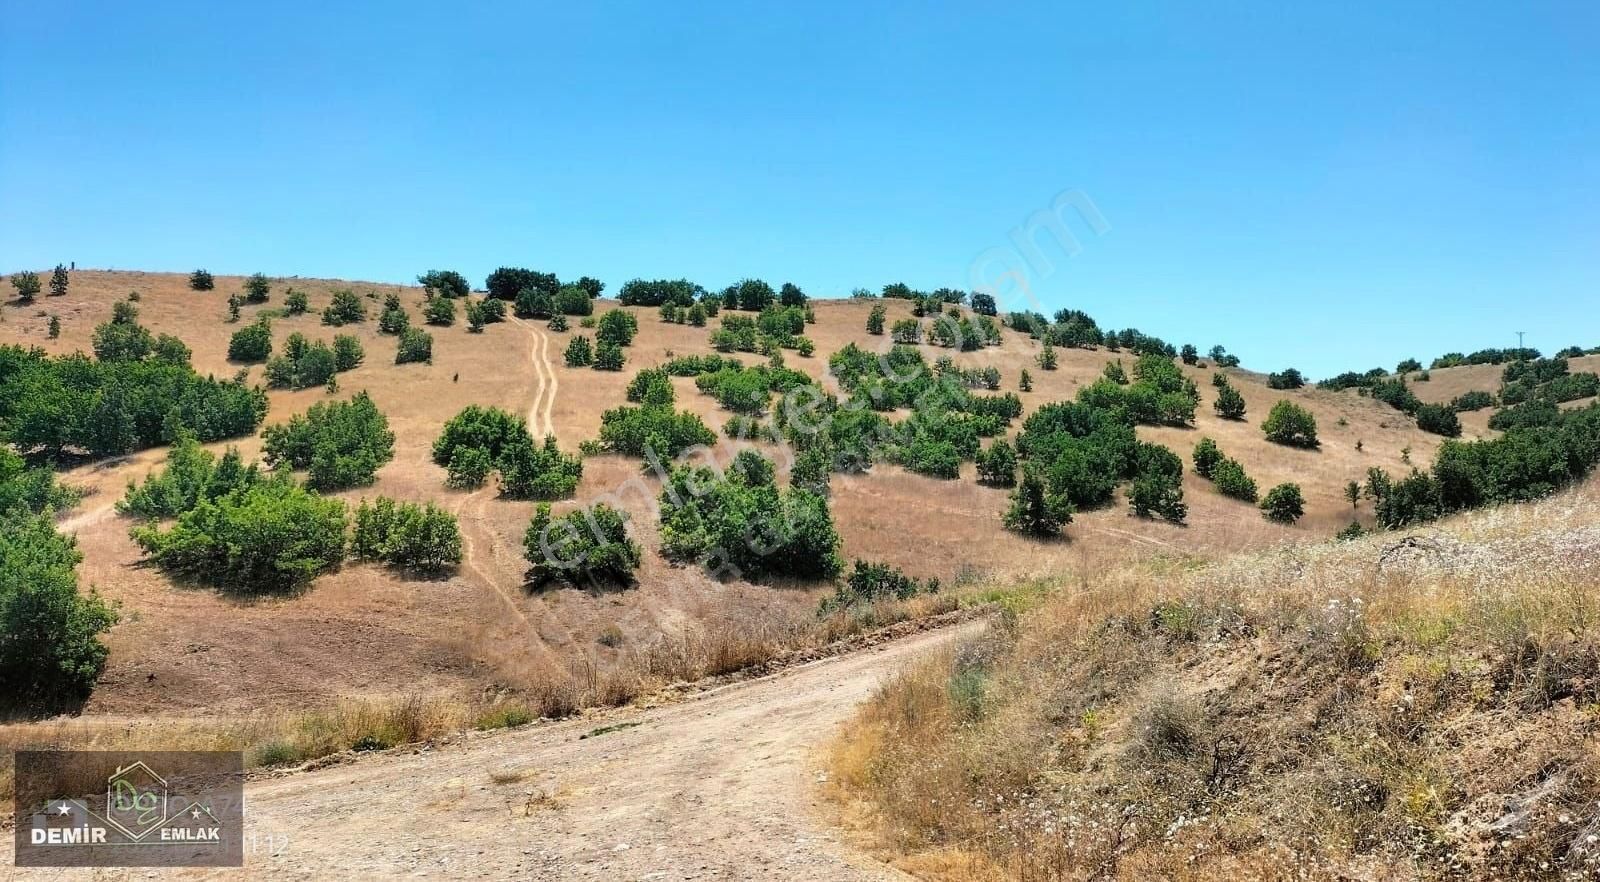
[(166, 808)]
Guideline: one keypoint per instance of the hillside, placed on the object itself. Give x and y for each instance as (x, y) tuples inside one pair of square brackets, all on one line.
[(365, 632), (1417, 707)]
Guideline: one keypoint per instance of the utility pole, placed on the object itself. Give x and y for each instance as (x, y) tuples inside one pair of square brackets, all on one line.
[(1519, 338)]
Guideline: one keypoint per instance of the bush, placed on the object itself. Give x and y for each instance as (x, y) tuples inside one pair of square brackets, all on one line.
[(558, 323), (530, 471), (257, 288), (579, 352), (998, 464), (680, 292), (586, 545), (744, 526), (200, 280), (251, 344), (406, 535), (1229, 404), (345, 309), (875, 319), (1439, 419), (341, 443), (1289, 379), (394, 319), (303, 365), (123, 339), (1231, 481), (534, 303), (50, 651), (1408, 366), (617, 327), (1206, 457), (506, 282), (347, 353), (1047, 357), (907, 331), (416, 345), (59, 280), (192, 473), (983, 304), (469, 468), (1035, 510), (296, 303), (27, 285), (271, 537), (444, 283), (439, 311), (608, 357), (651, 386), (873, 582), (1158, 493), (1291, 425), (663, 431), (572, 300), (1474, 400), (1283, 504)]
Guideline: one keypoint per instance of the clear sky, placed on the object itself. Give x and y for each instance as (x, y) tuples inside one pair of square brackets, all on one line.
[(1331, 188)]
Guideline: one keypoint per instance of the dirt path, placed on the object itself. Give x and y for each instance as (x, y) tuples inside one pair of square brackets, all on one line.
[(719, 786), (544, 372)]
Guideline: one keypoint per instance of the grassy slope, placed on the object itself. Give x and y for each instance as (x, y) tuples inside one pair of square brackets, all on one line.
[(1370, 710), (363, 632)]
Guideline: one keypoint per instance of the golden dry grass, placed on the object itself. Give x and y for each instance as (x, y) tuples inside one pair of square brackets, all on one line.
[(1368, 709), (366, 632)]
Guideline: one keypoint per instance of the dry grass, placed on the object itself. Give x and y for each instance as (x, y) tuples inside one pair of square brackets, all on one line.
[(1354, 710)]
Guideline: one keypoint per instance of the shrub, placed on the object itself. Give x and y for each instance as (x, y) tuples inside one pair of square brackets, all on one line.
[(394, 319), (608, 356), (506, 282), (743, 525), (444, 283), (1206, 457), (579, 352), (1025, 382), (347, 353), (302, 365), (200, 280), (998, 464), (660, 430), (651, 386), (1035, 510), (1158, 493), (341, 443), (530, 471), (1231, 481), (1289, 379), (469, 468), (558, 323), (589, 544), (1283, 504), (1408, 366), (617, 327), (55, 327), (296, 303), (875, 318), (1439, 419), (271, 537), (1291, 425), (50, 651), (697, 316), (345, 309), (257, 288), (27, 285), (983, 304), (192, 473), (907, 331), (872, 582), (572, 300), (59, 280), (1047, 357), (639, 292), (439, 311), (416, 345), (251, 344), (123, 339), (534, 303), (1229, 404), (406, 535)]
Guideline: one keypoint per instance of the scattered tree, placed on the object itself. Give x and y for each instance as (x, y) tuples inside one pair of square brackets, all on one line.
[(1283, 504), (416, 345), (586, 545), (580, 353), (257, 288), (59, 281), (200, 280), (1291, 425), (27, 285)]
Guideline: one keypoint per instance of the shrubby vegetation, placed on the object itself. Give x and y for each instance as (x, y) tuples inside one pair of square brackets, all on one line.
[(1291, 425), (444, 283), (1288, 379), (257, 288), (872, 582), (1283, 504), (585, 545), (49, 406), (416, 345), (192, 473), (345, 309), (660, 429), (418, 538), (679, 292), (479, 440), (341, 443), (270, 537), (200, 280), (742, 524), (306, 364), (251, 344)]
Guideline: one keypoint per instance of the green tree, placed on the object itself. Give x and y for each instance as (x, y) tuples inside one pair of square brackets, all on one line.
[(579, 352), (1047, 356), (744, 525), (557, 323), (342, 444), (235, 302), (572, 300), (416, 345), (1352, 495), (875, 318), (1189, 354), (651, 386), (439, 311), (270, 538), (475, 319), (444, 283), (1440, 419), (1229, 404), (200, 280), (27, 285), (1158, 494), (50, 651), (55, 326), (1025, 383), (257, 288), (345, 309), (295, 302), (251, 344), (608, 356), (407, 536), (586, 545), (1283, 504), (1035, 510), (617, 327), (998, 464), (347, 353), (124, 341), (394, 319), (1206, 457), (1290, 424), (791, 295), (59, 281), (530, 471), (1231, 480)]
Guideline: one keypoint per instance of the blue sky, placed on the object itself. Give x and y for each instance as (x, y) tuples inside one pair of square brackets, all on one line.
[(1332, 188)]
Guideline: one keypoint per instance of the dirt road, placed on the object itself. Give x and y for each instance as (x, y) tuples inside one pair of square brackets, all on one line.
[(719, 786)]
